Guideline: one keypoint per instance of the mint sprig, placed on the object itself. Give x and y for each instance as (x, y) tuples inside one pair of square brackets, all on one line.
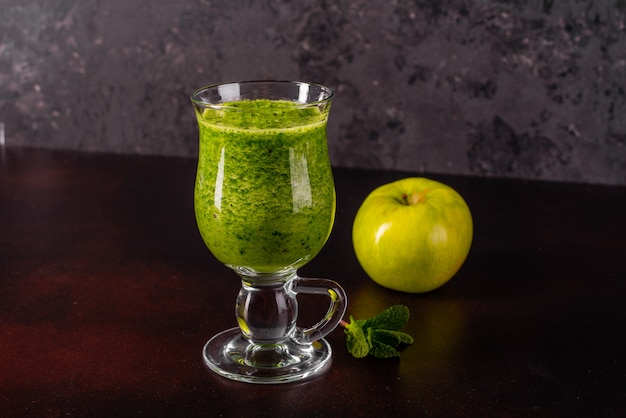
[(378, 336)]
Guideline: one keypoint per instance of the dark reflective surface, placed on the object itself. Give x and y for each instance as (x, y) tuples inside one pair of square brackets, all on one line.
[(107, 295)]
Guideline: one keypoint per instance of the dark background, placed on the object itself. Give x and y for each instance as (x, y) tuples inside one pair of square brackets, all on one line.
[(522, 88)]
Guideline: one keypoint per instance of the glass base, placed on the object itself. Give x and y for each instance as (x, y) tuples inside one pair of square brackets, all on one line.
[(232, 356)]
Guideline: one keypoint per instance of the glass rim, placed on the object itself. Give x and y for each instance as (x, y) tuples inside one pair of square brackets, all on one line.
[(329, 94)]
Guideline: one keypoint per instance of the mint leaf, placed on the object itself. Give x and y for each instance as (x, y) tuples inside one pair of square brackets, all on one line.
[(380, 350), (392, 338), (356, 341), (392, 318), (378, 336)]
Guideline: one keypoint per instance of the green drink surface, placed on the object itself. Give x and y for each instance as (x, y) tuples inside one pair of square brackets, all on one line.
[(264, 195)]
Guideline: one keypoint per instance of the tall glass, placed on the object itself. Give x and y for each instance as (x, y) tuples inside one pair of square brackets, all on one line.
[(265, 204)]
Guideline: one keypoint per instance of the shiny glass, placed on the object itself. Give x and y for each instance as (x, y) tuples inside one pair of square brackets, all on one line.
[(264, 201)]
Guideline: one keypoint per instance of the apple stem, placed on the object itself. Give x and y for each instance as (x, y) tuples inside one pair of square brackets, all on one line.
[(413, 199)]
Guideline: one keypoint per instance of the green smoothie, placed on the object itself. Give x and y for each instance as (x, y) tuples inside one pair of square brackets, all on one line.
[(264, 194)]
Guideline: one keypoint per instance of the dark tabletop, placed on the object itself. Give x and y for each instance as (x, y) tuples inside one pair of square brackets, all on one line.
[(107, 295)]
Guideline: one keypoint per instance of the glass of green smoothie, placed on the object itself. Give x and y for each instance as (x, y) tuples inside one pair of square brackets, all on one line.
[(264, 202)]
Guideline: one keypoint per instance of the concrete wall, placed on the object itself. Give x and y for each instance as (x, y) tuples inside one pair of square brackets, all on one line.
[(521, 88)]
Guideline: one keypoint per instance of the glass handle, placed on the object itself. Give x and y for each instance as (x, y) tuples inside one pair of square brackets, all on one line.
[(336, 308)]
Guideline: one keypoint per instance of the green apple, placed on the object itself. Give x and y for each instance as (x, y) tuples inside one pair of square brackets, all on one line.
[(413, 234)]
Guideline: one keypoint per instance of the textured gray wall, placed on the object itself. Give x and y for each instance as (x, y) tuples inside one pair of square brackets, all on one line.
[(521, 88)]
